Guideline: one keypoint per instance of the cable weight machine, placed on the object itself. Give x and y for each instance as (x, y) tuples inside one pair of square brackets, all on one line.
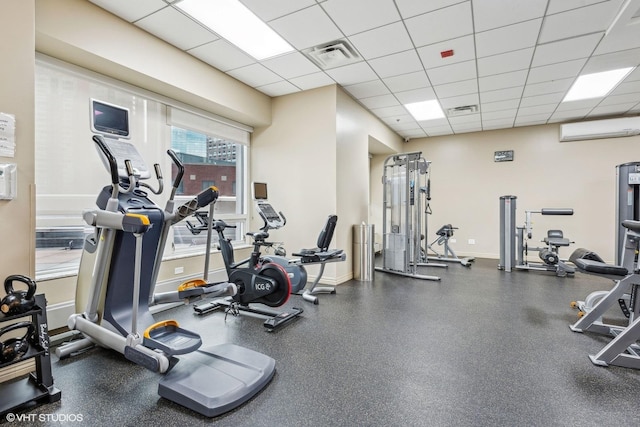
[(404, 181)]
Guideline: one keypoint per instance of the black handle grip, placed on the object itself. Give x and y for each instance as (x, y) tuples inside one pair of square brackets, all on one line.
[(179, 165), (156, 166), (31, 285), (113, 163)]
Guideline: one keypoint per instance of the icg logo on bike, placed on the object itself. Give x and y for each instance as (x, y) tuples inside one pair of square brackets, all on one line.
[(263, 286)]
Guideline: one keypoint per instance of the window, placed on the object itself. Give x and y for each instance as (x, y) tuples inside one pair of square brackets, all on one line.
[(208, 161), (70, 174)]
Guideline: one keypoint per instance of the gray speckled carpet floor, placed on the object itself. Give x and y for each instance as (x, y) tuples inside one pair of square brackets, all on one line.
[(479, 348)]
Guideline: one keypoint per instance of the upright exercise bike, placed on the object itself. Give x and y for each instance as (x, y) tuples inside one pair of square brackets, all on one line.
[(265, 283)]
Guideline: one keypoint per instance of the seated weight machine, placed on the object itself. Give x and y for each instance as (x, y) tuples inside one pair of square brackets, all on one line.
[(514, 238)]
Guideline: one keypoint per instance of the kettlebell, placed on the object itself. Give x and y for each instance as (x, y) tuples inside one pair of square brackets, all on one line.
[(13, 348), (17, 302)]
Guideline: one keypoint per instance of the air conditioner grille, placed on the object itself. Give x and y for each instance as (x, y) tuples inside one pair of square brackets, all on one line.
[(334, 54), (462, 110)]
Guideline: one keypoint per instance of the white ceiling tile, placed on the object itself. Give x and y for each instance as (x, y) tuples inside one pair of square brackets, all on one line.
[(306, 28), (416, 95), (635, 75), (580, 21), (278, 89), (352, 74), (176, 28), (533, 110), (578, 105), (488, 14), (389, 111), (440, 131), (506, 39), (312, 81), (613, 60), (566, 50), (569, 115), (502, 81), (255, 75), (553, 86), (622, 39), (497, 124), (460, 101), (380, 101), (531, 120), (501, 94), (609, 110), (128, 10), (407, 81), (402, 118), (499, 115), (505, 62), (463, 50), (509, 104), (626, 98), (409, 125), (269, 10), (466, 128), (456, 89), (471, 119), (627, 87), (222, 55), (556, 72), (356, 16), (291, 65), (392, 38), (409, 8), (397, 63), (556, 6), (433, 124), (418, 133), (367, 89), (452, 73), (443, 24), (549, 98)]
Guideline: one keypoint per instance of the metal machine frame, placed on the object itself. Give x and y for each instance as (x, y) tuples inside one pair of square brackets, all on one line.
[(405, 177)]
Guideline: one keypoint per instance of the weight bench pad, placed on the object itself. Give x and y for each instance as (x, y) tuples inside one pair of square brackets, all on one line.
[(598, 267), (557, 241)]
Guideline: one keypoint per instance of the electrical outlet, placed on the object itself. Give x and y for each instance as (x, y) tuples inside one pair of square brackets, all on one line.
[(178, 270), (472, 241)]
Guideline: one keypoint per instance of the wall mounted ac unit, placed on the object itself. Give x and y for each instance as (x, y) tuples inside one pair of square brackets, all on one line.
[(597, 129)]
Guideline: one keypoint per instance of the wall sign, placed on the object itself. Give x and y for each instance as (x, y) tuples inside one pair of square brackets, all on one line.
[(503, 156)]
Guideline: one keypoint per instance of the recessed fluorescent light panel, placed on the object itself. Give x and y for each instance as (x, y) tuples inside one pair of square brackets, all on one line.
[(237, 24), (596, 85), (425, 110)]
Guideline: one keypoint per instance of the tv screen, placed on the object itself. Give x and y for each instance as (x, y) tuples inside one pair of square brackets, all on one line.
[(260, 191), (109, 120)]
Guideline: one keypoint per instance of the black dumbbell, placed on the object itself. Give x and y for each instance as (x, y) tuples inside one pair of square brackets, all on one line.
[(13, 348), (17, 301)]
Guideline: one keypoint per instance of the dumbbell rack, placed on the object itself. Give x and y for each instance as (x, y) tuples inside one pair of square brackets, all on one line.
[(38, 386)]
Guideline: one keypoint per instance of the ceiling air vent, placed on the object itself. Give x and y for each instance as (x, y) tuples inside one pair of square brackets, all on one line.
[(462, 110), (334, 54)]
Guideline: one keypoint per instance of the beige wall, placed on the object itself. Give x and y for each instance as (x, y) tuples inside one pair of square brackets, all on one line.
[(17, 227), (467, 183), (296, 157), (358, 133)]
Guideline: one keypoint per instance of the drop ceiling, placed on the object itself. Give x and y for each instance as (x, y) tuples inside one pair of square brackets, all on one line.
[(494, 63)]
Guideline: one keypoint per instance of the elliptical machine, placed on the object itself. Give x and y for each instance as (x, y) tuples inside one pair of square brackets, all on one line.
[(116, 281), (259, 282)]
